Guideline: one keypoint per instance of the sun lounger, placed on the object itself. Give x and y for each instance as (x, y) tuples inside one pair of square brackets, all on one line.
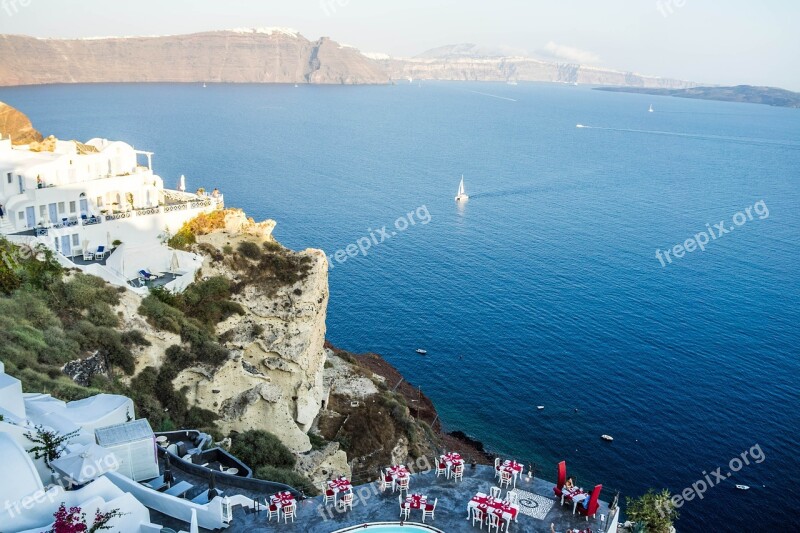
[(179, 489)]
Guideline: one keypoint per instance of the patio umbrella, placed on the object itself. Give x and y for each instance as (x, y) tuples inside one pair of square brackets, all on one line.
[(86, 464), (168, 477), (85, 245), (174, 264), (193, 527), (212, 487), (182, 185)]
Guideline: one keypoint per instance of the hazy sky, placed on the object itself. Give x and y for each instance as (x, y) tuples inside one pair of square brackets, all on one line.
[(714, 41)]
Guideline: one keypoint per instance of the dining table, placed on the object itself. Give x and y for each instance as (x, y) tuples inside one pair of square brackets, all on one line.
[(340, 484), (451, 460), (397, 472), (574, 495), (489, 505), (512, 467), (282, 499)]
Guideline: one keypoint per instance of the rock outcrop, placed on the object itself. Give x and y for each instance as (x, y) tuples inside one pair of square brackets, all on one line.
[(15, 124), (273, 379), (237, 56)]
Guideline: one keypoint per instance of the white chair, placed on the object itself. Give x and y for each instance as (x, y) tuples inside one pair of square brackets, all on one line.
[(405, 510), (428, 510), (385, 481), (272, 509), (494, 492), (441, 466), (402, 484), (289, 511), (479, 516), (496, 467), (497, 523), (89, 256), (458, 473), (346, 501), (327, 493), (512, 497), (505, 478)]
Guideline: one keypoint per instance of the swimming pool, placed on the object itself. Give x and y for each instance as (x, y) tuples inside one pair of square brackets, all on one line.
[(391, 527)]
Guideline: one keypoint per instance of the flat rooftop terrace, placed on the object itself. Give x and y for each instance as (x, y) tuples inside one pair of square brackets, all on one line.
[(538, 508)]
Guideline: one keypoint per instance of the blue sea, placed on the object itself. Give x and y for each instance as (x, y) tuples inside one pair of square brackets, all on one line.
[(544, 288)]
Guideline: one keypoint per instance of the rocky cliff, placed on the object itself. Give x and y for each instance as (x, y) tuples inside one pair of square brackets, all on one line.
[(236, 56), (15, 123), (463, 68)]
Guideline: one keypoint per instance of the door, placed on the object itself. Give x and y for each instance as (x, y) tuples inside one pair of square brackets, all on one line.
[(21, 185), (53, 213), (84, 207), (30, 217), (66, 246)]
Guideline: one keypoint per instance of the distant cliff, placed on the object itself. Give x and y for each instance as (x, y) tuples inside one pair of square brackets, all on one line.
[(517, 69), (15, 124), (236, 56), (741, 93)]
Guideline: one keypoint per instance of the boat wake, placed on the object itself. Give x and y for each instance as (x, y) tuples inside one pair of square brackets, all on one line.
[(743, 140), (493, 95)]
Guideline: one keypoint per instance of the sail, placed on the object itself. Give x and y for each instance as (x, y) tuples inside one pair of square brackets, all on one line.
[(461, 187)]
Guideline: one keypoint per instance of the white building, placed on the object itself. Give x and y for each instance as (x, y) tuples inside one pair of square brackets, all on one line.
[(76, 197)]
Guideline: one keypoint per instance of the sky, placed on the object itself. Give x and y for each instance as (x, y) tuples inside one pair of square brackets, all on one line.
[(707, 41)]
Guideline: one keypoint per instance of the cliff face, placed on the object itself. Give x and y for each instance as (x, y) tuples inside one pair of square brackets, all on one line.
[(242, 56), (16, 124), (518, 69), (273, 379)]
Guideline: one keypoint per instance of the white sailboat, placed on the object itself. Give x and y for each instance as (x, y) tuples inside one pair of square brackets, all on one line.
[(651, 109), (461, 196)]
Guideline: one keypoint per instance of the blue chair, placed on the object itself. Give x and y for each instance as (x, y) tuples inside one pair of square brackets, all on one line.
[(100, 253)]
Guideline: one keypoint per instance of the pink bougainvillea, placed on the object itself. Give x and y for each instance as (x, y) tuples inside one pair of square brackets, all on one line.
[(73, 520)]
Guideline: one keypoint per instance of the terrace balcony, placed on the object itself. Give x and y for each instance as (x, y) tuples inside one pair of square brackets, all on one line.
[(538, 508)]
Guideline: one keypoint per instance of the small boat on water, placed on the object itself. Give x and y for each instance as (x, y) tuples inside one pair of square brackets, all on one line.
[(540, 407), (461, 196), (204, 85), (742, 487), (579, 126), (421, 351), (651, 109), (607, 438)]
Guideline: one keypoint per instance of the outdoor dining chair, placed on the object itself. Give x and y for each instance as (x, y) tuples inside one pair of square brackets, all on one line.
[(494, 492), (496, 523), (479, 516), (458, 473), (505, 478), (328, 493), (405, 511), (272, 509), (428, 510), (346, 501)]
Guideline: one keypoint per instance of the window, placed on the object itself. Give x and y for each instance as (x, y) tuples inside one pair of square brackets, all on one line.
[(99, 201), (72, 207), (22, 215), (61, 207), (42, 211), (8, 175), (75, 241)]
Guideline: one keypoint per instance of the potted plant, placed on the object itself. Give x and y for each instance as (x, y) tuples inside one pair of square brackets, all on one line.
[(39, 183), (49, 444)]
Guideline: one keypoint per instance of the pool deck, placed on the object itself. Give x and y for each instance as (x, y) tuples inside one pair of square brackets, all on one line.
[(539, 508)]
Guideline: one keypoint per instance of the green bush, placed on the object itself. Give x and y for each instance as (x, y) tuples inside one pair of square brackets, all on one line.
[(101, 314), (161, 315), (250, 250), (259, 448), (287, 477), (134, 337)]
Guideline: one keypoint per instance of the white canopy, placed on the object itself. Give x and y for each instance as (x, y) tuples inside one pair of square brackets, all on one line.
[(84, 465)]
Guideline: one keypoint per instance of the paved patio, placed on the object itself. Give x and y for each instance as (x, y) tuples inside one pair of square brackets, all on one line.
[(539, 508)]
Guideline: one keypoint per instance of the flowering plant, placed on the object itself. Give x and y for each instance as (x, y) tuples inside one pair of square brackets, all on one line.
[(73, 520)]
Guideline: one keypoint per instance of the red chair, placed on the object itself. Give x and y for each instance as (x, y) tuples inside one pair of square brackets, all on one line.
[(591, 508), (562, 478)]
